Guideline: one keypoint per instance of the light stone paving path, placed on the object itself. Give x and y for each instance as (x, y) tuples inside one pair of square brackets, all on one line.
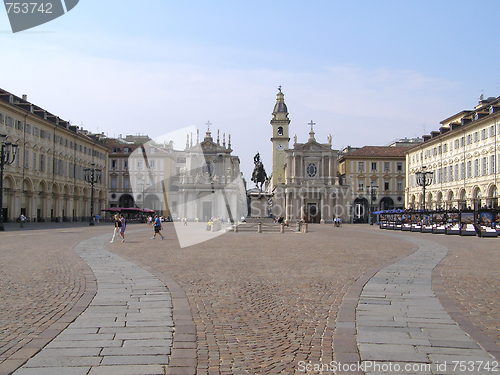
[(127, 328), (400, 322)]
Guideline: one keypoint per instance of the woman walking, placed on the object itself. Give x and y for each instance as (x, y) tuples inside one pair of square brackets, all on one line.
[(116, 228), (122, 227)]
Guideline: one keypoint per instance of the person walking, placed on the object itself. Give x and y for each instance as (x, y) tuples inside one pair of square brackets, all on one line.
[(157, 227), (116, 229), (122, 227)]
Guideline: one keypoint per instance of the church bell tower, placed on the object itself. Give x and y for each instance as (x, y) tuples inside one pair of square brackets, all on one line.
[(280, 139)]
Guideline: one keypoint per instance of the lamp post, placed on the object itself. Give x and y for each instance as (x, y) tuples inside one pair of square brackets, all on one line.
[(372, 192), (424, 178), (7, 157), (92, 176)]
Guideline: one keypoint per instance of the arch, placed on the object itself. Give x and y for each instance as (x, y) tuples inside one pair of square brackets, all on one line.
[(28, 185), (361, 209), (492, 199), (450, 200), (439, 200), (462, 199), (126, 200), (386, 203), (476, 197), (152, 201)]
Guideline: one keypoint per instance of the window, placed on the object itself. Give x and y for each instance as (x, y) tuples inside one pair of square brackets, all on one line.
[(476, 167), (400, 167), (492, 164), (462, 141), (400, 186), (113, 163), (42, 163), (462, 171), (440, 150), (456, 143), (456, 172), (126, 183), (152, 164), (361, 166), (280, 130), (484, 166), (113, 182), (484, 135), (386, 166), (361, 186), (386, 186), (34, 160), (450, 173), (476, 136), (492, 130), (311, 170), (125, 164), (139, 165), (374, 166), (126, 150), (26, 159), (445, 147), (469, 169), (469, 139)]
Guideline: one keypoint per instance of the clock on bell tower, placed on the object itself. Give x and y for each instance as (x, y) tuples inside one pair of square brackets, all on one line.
[(280, 139)]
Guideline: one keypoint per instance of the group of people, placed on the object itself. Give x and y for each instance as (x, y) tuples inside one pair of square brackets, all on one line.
[(121, 224), (337, 221)]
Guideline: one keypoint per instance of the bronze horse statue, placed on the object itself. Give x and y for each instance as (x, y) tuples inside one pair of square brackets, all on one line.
[(259, 174)]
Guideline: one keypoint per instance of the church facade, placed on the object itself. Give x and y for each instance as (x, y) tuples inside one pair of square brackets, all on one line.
[(304, 181)]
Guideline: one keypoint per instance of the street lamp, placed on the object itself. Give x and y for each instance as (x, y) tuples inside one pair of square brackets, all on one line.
[(7, 157), (424, 178), (372, 192), (92, 176)]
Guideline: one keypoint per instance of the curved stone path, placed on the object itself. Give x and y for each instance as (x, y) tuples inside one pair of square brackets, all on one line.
[(127, 328), (400, 321)]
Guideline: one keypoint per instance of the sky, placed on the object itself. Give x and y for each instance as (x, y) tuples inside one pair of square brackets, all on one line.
[(366, 72)]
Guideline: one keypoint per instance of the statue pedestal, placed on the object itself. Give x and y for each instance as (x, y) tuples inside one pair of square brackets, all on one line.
[(259, 204)]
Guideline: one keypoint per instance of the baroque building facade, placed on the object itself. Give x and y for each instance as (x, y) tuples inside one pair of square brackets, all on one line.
[(377, 178), (46, 181), (463, 157), (200, 182), (304, 181)]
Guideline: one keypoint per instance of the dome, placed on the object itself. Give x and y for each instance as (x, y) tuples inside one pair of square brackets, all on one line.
[(280, 106)]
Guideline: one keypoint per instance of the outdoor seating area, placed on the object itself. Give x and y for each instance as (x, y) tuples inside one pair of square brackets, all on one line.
[(483, 222)]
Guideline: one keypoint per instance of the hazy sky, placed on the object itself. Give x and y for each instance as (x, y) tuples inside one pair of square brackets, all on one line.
[(367, 72)]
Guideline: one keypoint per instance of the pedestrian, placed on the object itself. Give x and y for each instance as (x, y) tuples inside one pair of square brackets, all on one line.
[(97, 217), (157, 227), (22, 218), (116, 228), (122, 227), (185, 221)]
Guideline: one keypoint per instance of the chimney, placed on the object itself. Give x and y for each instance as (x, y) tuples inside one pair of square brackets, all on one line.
[(25, 97), (426, 137)]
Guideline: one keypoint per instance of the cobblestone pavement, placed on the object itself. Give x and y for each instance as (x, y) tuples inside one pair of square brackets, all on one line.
[(261, 303), (126, 329), (400, 320), (43, 286)]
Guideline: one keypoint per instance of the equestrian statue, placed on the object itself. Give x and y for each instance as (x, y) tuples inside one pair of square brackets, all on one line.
[(259, 174)]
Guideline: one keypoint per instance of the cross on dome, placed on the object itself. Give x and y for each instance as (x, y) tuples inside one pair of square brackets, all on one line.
[(312, 124)]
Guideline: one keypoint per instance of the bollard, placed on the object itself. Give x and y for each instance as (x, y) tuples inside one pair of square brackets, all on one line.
[(236, 228), (282, 229), (259, 228), (299, 227), (306, 229)]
